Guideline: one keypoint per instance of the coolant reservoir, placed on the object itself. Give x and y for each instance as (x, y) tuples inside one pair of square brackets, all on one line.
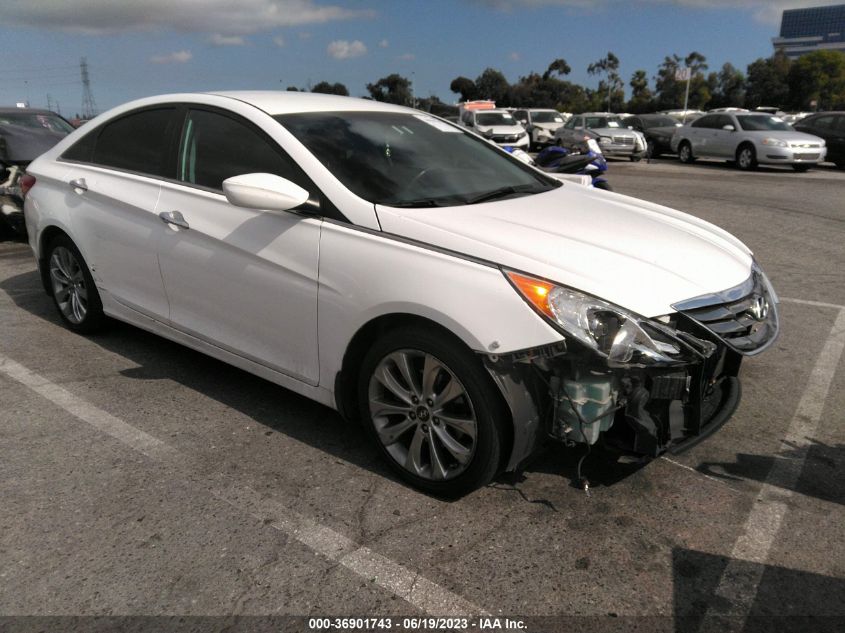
[(593, 397)]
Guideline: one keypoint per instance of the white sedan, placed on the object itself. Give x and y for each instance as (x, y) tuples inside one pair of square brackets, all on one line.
[(388, 264)]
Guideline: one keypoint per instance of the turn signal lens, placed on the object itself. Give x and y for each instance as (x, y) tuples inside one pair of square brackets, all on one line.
[(536, 291)]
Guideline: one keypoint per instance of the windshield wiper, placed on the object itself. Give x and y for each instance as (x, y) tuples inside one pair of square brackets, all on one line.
[(501, 192), (410, 204)]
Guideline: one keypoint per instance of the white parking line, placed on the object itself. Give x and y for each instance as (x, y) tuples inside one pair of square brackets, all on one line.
[(422, 593), (739, 582), (807, 302)]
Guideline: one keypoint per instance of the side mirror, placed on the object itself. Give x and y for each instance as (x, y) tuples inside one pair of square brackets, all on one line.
[(729, 127), (264, 191)]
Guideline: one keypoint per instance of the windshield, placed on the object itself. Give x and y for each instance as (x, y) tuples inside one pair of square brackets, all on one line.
[(411, 160), (36, 121), (546, 117), (494, 118), (762, 123), (602, 121), (659, 121)]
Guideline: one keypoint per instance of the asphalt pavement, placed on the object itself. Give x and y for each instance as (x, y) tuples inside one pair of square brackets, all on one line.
[(139, 478)]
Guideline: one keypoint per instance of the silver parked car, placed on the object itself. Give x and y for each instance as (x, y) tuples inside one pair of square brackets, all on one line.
[(613, 137), (748, 138)]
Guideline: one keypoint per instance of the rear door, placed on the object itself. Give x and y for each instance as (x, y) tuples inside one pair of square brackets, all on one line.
[(244, 280), (113, 188)]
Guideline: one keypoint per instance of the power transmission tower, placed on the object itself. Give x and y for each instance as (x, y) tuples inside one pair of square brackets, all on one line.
[(89, 106)]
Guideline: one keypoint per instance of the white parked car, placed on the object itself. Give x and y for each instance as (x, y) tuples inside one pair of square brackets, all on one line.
[(388, 264), (497, 126), (541, 124)]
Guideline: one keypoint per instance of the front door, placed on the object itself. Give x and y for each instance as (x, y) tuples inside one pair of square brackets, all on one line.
[(242, 279)]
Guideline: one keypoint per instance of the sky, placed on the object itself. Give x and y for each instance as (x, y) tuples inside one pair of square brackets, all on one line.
[(138, 48)]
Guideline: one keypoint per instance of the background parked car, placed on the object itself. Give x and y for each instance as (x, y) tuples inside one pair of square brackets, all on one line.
[(613, 137), (657, 129), (496, 125), (25, 133), (541, 124), (749, 139), (831, 127)]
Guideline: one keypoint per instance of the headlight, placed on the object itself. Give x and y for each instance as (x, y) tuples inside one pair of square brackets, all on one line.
[(774, 142), (604, 140), (623, 338)]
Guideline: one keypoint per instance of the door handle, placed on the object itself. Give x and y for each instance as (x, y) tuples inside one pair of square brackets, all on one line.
[(78, 185), (175, 218)]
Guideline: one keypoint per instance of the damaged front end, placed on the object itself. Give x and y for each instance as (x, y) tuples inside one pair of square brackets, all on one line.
[(638, 385)]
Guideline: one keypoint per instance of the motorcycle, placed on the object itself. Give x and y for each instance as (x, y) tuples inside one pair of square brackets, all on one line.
[(590, 163), (558, 160)]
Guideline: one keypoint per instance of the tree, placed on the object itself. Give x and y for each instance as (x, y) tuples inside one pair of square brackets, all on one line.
[(670, 93), (727, 87), (818, 76), (558, 67), (612, 85), (325, 87), (767, 83), (292, 89), (642, 99), (492, 84), (465, 87), (391, 89)]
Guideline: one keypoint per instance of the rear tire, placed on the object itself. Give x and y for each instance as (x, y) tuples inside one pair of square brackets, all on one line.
[(73, 290), (433, 411), (685, 153)]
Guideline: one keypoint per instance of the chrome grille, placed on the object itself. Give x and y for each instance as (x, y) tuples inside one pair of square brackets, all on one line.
[(623, 140), (805, 156), (744, 317), (505, 138)]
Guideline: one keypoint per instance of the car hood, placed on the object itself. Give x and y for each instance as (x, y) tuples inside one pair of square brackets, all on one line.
[(664, 131), (551, 127), (635, 254), (501, 129), (612, 131)]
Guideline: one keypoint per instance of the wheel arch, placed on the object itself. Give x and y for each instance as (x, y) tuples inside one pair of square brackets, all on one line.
[(345, 391), (47, 235)]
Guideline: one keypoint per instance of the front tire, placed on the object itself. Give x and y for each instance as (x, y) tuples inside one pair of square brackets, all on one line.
[(73, 290), (801, 168), (746, 157), (432, 410)]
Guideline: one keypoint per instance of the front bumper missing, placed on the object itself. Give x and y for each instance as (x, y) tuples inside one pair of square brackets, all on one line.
[(642, 411)]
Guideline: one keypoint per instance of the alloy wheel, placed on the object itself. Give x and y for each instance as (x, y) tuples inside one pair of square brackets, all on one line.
[(69, 285), (745, 158), (422, 415)]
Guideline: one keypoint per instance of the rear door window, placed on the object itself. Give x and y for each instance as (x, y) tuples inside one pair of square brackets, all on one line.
[(138, 142)]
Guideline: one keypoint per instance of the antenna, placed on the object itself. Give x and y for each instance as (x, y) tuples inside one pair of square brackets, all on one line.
[(89, 106)]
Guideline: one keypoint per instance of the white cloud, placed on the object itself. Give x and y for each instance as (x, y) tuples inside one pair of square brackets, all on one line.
[(344, 49), (226, 40), (768, 11), (178, 57), (514, 56), (407, 57), (279, 41), (384, 44), (197, 16)]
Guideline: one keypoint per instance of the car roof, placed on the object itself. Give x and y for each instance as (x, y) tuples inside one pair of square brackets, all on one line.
[(10, 110), (285, 102)]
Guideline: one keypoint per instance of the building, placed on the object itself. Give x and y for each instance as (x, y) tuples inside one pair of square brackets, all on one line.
[(812, 29)]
